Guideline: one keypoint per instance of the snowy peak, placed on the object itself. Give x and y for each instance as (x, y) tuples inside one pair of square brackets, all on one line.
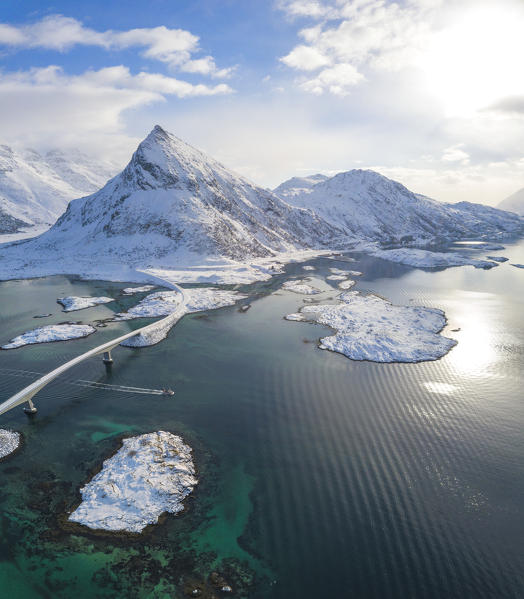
[(297, 185), (174, 203), (163, 161), (370, 206), (36, 188)]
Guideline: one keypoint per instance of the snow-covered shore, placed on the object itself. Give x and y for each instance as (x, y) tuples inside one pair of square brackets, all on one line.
[(49, 333), (9, 442), (73, 303), (371, 328), (150, 474)]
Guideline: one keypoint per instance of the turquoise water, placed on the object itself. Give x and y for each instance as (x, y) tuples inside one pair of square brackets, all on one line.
[(319, 476)]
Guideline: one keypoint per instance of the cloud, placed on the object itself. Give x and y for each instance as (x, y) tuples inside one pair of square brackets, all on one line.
[(48, 108), (355, 36), (336, 80), (511, 105), (305, 58), (174, 47), (455, 154)]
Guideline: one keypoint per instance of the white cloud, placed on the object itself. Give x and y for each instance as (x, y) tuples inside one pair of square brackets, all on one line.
[(337, 80), (175, 47), (46, 107), (360, 34), (455, 154), (305, 58)]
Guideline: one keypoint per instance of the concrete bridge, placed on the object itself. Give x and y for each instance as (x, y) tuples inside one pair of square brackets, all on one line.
[(26, 395)]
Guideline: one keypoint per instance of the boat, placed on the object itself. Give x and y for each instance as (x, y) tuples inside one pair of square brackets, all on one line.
[(168, 391)]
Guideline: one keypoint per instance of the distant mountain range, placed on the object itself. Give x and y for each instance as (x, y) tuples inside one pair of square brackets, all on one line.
[(36, 188), (367, 205), (514, 203), (173, 206)]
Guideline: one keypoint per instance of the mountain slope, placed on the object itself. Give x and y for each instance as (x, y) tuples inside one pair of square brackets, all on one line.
[(35, 189), (370, 206), (174, 205), (514, 203)]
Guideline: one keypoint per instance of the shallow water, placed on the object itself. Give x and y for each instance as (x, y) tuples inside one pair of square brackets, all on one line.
[(319, 476)]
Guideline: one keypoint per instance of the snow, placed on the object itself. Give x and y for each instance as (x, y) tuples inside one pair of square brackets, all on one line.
[(336, 277), (498, 258), (309, 267), (371, 328), (72, 303), (427, 259), (164, 303), (300, 287), (150, 475), (369, 206), (177, 215), (9, 442), (141, 289), (36, 188), (49, 333), (347, 284), (171, 207), (298, 185)]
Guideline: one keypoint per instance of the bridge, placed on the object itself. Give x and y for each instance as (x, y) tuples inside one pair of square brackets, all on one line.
[(26, 395)]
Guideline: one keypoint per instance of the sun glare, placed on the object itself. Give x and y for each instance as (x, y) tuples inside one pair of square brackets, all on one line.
[(477, 59)]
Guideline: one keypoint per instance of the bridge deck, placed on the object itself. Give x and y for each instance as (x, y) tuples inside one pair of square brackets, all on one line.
[(26, 394)]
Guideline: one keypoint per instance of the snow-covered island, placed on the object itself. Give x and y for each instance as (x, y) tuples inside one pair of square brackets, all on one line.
[(371, 328), (150, 475), (426, 259), (165, 303), (73, 303), (141, 289), (302, 287), (49, 333), (9, 442)]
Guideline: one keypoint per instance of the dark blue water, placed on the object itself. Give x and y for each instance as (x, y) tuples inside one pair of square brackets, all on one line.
[(319, 476)]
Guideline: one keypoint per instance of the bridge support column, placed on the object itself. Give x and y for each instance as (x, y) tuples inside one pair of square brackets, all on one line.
[(107, 359), (31, 408)]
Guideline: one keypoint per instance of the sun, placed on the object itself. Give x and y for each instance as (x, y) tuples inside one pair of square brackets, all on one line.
[(476, 59)]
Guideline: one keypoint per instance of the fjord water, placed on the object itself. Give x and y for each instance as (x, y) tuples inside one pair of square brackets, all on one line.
[(319, 476)]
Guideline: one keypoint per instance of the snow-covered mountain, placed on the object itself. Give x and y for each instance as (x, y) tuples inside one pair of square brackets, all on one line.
[(297, 185), (514, 203), (36, 188), (369, 206), (174, 205)]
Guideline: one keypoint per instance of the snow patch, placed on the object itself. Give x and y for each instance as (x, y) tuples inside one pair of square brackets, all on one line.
[(150, 474), (49, 333)]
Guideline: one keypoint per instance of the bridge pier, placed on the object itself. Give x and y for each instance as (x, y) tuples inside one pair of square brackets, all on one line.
[(31, 408), (107, 359)]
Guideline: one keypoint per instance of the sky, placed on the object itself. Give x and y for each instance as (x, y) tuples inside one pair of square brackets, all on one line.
[(427, 92)]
